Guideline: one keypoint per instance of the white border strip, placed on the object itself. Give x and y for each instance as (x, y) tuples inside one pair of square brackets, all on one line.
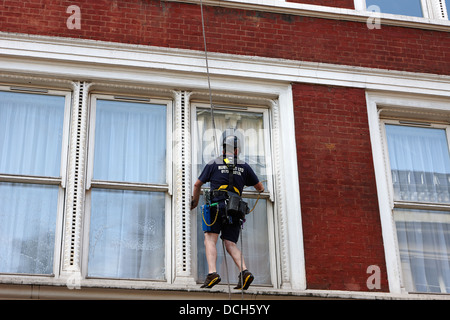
[(92, 60), (318, 11)]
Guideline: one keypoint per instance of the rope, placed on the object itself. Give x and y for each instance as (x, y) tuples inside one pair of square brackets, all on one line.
[(226, 268), (242, 261), (216, 148), (257, 199)]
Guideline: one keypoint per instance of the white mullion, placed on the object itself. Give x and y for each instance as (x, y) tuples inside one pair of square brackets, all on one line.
[(360, 5), (65, 139), (75, 192), (194, 175), (169, 147), (387, 162), (268, 154), (427, 8), (438, 9), (91, 141)]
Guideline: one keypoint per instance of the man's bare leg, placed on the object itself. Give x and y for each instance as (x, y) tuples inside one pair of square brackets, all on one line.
[(211, 250), (235, 253)]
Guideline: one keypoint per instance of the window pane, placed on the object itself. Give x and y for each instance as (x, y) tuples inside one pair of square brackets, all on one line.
[(255, 247), (130, 142), (31, 130), (403, 7), (420, 163), (424, 244), (249, 125), (27, 228), (127, 235), (447, 4)]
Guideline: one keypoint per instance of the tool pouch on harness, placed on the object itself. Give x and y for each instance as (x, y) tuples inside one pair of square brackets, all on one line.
[(210, 212), (236, 208), (209, 216)]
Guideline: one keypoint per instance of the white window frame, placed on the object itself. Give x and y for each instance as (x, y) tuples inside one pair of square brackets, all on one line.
[(401, 204), (268, 195), (422, 109), (432, 9), (59, 181), (91, 183), (412, 123)]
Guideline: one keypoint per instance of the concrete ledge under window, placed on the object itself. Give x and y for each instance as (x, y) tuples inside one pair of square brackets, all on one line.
[(173, 292)]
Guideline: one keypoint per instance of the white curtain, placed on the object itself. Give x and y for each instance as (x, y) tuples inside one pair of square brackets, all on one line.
[(420, 164), (31, 130), (127, 238), (255, 232), (130, 142), (127, 235), (424, 244), (27, 228)]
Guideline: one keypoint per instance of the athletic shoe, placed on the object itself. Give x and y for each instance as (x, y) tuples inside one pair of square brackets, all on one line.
[(211, 280), (244, 280)]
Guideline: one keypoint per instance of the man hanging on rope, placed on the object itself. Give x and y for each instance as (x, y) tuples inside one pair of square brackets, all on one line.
[(224, 186)]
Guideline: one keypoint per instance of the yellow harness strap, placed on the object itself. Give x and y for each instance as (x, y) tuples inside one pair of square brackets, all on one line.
[(225, 186)]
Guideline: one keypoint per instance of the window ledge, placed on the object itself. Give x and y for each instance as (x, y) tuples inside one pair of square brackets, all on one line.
[(45, 288), (316, 11)]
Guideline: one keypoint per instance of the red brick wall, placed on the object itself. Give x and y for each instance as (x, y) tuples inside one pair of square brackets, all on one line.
[(341, 222), (177, 25), (348, 4)]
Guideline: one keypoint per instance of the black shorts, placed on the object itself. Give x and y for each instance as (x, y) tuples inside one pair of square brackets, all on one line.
[(229, 232)]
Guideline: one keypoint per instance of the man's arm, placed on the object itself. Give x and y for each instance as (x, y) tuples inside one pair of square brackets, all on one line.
[(259, 187), (196, 194)]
